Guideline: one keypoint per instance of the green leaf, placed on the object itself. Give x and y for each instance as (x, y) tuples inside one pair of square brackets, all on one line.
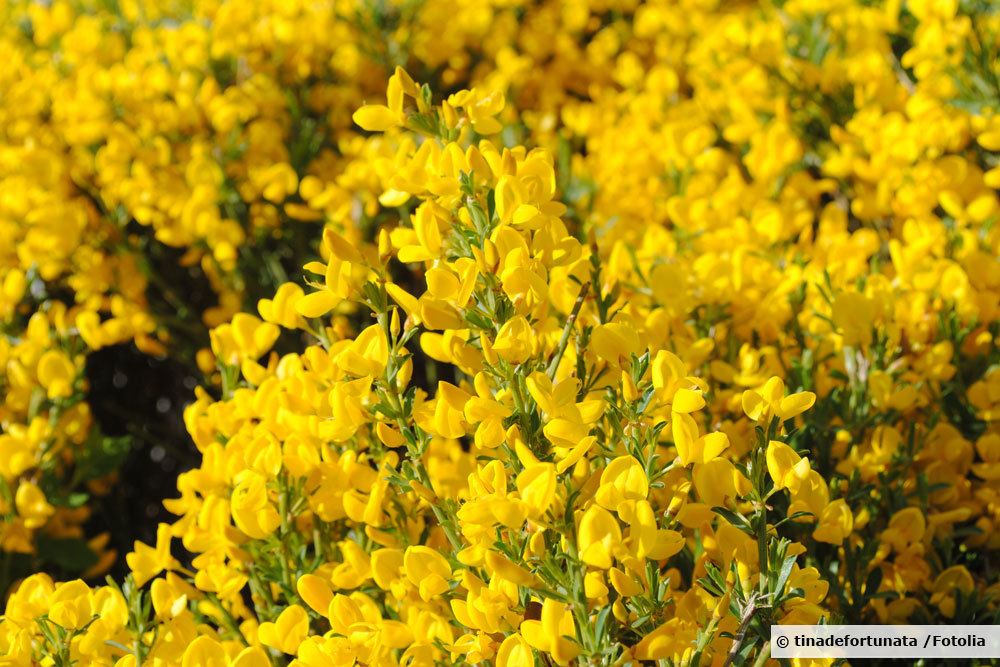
[(794, 516), (734, 518), (101, 456), (71, 553), (783, 574)]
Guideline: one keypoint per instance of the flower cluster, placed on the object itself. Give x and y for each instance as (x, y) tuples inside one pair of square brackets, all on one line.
[(157, 175), (670, 322)]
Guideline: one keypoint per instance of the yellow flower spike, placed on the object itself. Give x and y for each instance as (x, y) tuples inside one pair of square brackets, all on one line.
[(287, 631), (315, 592), (427, 570), (786, 467), (599, 537), (623, 479), (537, 486), (669, 258)]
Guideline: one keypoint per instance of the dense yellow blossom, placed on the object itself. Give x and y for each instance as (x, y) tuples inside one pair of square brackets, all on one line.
[(613, 332)]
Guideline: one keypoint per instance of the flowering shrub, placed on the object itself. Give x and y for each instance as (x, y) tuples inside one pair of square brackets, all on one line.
[(654, 326)]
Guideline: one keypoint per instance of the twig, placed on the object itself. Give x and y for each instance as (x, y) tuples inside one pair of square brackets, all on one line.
[(567, 329), (741, 633)]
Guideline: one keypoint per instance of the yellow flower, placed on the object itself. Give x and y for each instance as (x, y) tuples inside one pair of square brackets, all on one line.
[(251, 510), (281, 310), (550, 633), (56, 374), (537, 486), (835, 523), (770, 400), (146, 562), (955, 579), (615, 342), (623, 479), (287, 632), (598, 537), (32, 506), (428, 570), (787, 469), (514, 651), (515, 340)]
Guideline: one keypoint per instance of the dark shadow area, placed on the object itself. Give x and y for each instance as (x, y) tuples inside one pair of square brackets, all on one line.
[(142, 398)]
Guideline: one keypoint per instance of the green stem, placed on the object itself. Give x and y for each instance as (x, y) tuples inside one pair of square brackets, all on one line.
[(567, 330), (763, 656)]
